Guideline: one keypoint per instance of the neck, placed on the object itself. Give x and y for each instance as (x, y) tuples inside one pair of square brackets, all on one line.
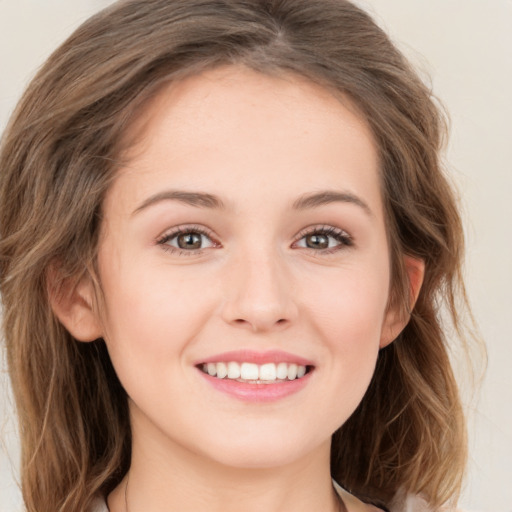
[(174, 478)]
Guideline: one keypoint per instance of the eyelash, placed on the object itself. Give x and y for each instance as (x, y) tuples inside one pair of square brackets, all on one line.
[(183, 230), (341, 236)]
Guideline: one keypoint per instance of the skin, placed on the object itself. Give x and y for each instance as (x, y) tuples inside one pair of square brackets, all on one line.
[(259, 144)]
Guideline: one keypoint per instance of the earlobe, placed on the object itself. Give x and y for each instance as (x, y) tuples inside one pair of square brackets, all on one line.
[(397, 317), (73, 304)]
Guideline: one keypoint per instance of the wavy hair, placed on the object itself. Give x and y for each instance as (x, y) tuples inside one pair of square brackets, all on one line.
[(60, 153)]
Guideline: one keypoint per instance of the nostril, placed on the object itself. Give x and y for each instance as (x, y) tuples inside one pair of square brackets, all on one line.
[(260, 323)]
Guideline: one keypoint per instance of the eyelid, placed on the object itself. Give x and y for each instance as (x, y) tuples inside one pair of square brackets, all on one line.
[(171, 233), (345, 239)]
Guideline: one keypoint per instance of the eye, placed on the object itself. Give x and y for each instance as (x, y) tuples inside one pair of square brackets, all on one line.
[(186, 240), (325, 239)]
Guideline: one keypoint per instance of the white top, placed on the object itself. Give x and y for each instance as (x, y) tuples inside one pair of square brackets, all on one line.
[(401, 503), (410, 504), (99, 505)]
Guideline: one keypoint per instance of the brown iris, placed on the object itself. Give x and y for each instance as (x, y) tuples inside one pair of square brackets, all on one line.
[(189, 241), (317, 241)]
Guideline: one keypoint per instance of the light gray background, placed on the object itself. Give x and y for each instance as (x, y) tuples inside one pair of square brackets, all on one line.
[(466, 48)]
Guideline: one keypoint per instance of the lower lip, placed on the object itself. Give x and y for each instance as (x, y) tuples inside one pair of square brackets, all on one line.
[(257, 392)]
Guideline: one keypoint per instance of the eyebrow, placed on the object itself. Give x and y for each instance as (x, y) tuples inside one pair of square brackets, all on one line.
[(205, 200), (329, 196), (197, 199)]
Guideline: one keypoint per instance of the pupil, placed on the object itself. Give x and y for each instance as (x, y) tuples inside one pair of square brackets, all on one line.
[(189, 241), (317, 241)]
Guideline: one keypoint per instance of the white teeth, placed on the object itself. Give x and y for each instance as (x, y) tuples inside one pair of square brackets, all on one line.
[(233, 370), (222, 370), (268, 372), (212, 369), (282, 371), (249, 371), (292, 371)]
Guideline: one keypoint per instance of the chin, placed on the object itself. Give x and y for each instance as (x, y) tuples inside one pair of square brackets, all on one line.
[(264, 451)]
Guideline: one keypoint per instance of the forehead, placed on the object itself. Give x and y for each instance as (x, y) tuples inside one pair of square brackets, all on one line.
[(231, 124)]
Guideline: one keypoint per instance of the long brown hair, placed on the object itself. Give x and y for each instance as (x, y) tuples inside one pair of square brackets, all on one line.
[(59, 154)]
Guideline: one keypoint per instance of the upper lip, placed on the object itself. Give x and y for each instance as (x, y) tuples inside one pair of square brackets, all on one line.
[(252, 356)]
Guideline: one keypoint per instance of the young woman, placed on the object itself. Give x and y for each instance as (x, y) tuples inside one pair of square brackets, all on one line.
[(226, 238)]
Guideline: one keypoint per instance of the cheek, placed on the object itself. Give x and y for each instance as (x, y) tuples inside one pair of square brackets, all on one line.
[(350, 305), (348, 314), (153, 313), (350, 323)]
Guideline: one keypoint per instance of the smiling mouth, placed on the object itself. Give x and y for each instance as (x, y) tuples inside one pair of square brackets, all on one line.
[(268, 373)]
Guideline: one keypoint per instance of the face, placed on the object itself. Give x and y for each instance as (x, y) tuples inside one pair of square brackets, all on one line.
[(246, 237)]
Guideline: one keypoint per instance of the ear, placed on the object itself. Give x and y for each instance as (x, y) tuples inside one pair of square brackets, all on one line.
[(396, 318), (72, 303)]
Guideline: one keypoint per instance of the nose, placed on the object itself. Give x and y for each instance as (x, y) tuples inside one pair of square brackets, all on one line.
[(259, 295)]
